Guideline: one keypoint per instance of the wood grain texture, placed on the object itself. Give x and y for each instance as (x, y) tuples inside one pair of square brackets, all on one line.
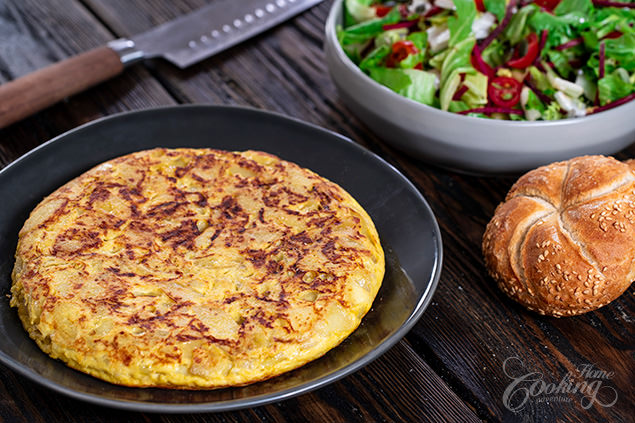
[(415, 391), (35, 34), (471, 327), (457, 350), (277, 72), (282, 69)]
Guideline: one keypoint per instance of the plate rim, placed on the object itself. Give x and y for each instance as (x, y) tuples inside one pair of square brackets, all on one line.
[(263, 399)]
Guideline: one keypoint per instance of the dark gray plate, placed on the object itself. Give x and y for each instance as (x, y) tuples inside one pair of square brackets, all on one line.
[(406, 226)]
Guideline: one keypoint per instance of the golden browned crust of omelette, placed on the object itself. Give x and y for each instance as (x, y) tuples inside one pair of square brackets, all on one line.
[(195, 268)]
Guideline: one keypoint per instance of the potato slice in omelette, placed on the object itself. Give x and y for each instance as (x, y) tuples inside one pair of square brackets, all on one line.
[(195, 269)]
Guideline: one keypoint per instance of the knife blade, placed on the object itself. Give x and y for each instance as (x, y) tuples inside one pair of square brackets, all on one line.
[(208, 30), (183, 41)]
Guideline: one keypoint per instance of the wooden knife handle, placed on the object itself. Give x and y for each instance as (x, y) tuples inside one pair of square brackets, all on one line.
[(35, 91)]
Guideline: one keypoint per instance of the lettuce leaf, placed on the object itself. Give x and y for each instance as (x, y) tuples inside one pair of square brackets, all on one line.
[(569, 6), (543, 20), (476, 95), (561, 61), (448, 88), (622, 49), (374, 58), (358, 11), (586, 80), (609, 19), (534, 103), (496, 53), (420, 40), (356, 38), (437, 60), (613, 87), (353, 46), (552, 112), (415, 84), (458, 58), (540, 80), (458, 106), (461, 25), (496, 7), (515, 31), (456, 62), (372, 28), (391, 36)]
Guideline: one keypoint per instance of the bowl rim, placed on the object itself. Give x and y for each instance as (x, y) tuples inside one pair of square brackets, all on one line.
[(335, 15)]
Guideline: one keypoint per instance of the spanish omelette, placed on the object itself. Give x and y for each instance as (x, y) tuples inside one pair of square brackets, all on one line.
[(195, 268)]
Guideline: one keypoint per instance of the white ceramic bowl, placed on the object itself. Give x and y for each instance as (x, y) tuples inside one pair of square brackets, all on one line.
[(465, 143)]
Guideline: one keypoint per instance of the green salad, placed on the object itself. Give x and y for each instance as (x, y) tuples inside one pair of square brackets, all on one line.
[(505, 59)]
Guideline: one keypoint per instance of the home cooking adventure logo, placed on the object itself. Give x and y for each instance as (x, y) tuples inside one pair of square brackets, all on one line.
[(587, 381)]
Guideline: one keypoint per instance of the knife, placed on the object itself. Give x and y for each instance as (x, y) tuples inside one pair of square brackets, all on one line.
[(183, 41)]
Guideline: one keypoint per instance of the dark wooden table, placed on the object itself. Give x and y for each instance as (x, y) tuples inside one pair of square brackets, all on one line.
[(471, 345)]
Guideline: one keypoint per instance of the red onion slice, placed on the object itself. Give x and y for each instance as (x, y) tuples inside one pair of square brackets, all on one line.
[(542, 96), (613, 104), (569, 44), (541, 45), (602, 60), (398, 25), (606, 3), (500, 28), (459, 93)]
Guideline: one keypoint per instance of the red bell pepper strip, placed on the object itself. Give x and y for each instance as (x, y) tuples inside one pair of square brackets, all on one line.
[(400, 50), (530, 56), (480, 6), (547, 4), (381, 11), (612, 35)]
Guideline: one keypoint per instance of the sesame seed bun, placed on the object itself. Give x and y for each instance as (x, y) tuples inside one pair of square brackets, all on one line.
[(563, 241)]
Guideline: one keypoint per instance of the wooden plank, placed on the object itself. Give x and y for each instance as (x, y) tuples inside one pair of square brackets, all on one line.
[(416, 393), (23, 400), (472, 327), (281, 70), (34, 34)]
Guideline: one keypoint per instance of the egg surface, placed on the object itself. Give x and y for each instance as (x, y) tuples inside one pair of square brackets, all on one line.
[(195, 269)]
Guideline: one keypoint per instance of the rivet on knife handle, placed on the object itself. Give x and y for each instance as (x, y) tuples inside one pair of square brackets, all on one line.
[(127, 51)]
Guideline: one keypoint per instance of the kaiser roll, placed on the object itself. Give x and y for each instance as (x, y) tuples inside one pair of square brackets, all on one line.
[(563, 241)]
